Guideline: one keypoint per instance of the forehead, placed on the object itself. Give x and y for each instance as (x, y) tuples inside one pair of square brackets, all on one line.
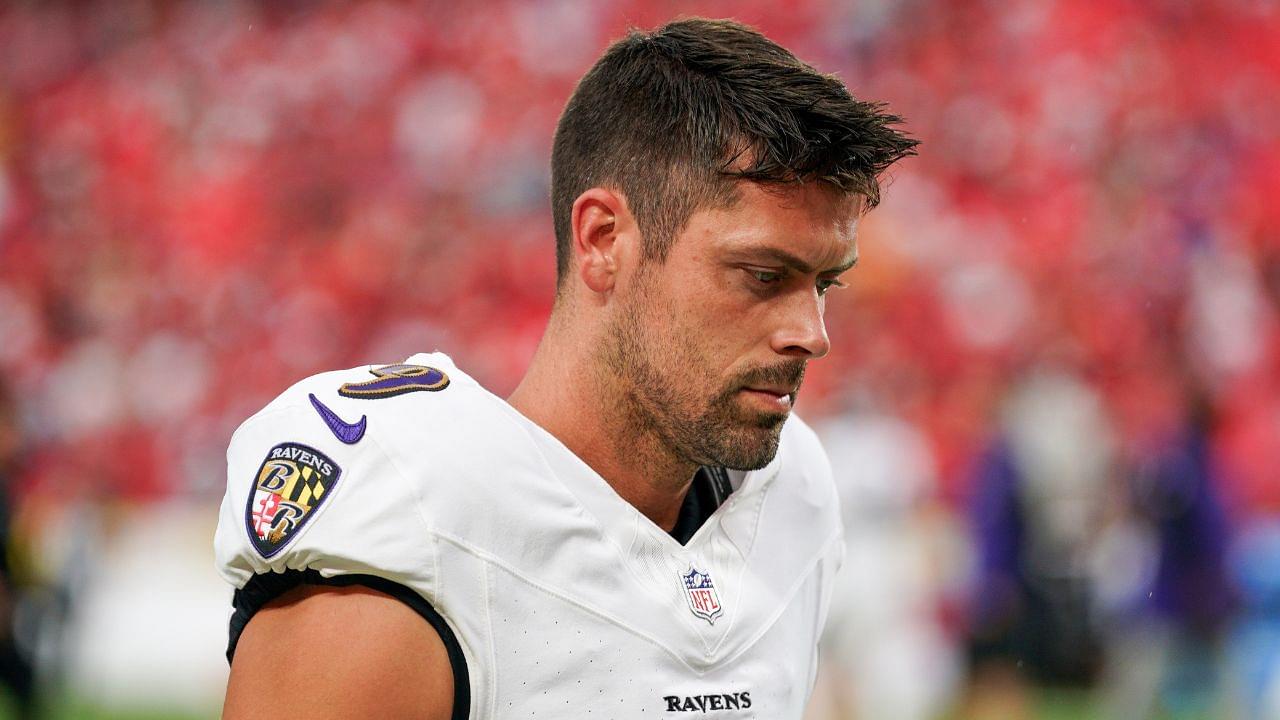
[(811, 221)]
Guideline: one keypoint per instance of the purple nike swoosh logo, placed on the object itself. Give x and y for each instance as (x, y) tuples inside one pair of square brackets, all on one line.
[(349, 433)]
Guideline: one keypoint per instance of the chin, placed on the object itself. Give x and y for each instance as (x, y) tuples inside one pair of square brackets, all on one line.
[(747, 450)]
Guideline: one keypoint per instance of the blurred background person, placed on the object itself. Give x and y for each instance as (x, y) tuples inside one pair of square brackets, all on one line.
[(1040, 497), (1164, 598)]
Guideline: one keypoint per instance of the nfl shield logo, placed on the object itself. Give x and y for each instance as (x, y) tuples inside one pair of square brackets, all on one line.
[(701, 594)]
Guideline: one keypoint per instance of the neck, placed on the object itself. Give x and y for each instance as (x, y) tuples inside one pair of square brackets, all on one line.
[(568, 394)]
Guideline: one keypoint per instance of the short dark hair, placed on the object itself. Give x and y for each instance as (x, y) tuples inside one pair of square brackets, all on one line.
[(672, 118)]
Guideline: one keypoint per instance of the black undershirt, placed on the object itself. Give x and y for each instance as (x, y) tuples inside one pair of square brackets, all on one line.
[(709, 489)]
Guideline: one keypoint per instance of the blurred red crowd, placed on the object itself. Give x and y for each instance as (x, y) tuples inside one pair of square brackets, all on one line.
[(201, 203)]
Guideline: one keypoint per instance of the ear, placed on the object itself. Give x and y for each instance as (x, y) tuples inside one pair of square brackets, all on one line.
[(602, 226)]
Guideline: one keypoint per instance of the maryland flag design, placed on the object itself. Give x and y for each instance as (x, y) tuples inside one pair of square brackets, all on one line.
[(291, 484)]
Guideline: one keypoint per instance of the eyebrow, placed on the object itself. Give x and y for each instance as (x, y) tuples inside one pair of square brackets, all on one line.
[(799, 265)]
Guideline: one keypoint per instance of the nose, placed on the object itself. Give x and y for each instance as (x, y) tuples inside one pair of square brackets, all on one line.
[(803, 332)]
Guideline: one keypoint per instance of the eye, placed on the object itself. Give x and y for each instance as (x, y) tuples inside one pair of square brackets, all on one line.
[(767, 277), (825, 284)]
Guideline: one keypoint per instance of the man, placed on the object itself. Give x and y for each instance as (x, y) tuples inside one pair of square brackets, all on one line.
[(639, 530)]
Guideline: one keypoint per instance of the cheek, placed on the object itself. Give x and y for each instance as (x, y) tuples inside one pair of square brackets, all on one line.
[(699, 349), (702, 330)]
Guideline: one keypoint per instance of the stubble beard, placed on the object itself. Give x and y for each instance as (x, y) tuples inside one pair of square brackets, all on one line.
[(666, 405)]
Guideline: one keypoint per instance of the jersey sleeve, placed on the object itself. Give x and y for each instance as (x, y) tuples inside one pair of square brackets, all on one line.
[(298, 498), (303, 506), (313, 498)]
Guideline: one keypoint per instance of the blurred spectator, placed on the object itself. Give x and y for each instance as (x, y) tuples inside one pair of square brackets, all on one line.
[(1040, 498), (1163, 592)]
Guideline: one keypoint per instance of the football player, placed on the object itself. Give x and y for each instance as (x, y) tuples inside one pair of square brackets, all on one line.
[(643, 528)]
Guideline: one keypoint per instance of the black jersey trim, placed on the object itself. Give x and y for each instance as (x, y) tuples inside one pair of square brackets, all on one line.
[(262, 589)]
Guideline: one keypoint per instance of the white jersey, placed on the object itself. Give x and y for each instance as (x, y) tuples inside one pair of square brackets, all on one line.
[(556, 598)]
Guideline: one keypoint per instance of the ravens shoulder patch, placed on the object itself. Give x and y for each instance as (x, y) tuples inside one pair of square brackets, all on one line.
[(291, 484)]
